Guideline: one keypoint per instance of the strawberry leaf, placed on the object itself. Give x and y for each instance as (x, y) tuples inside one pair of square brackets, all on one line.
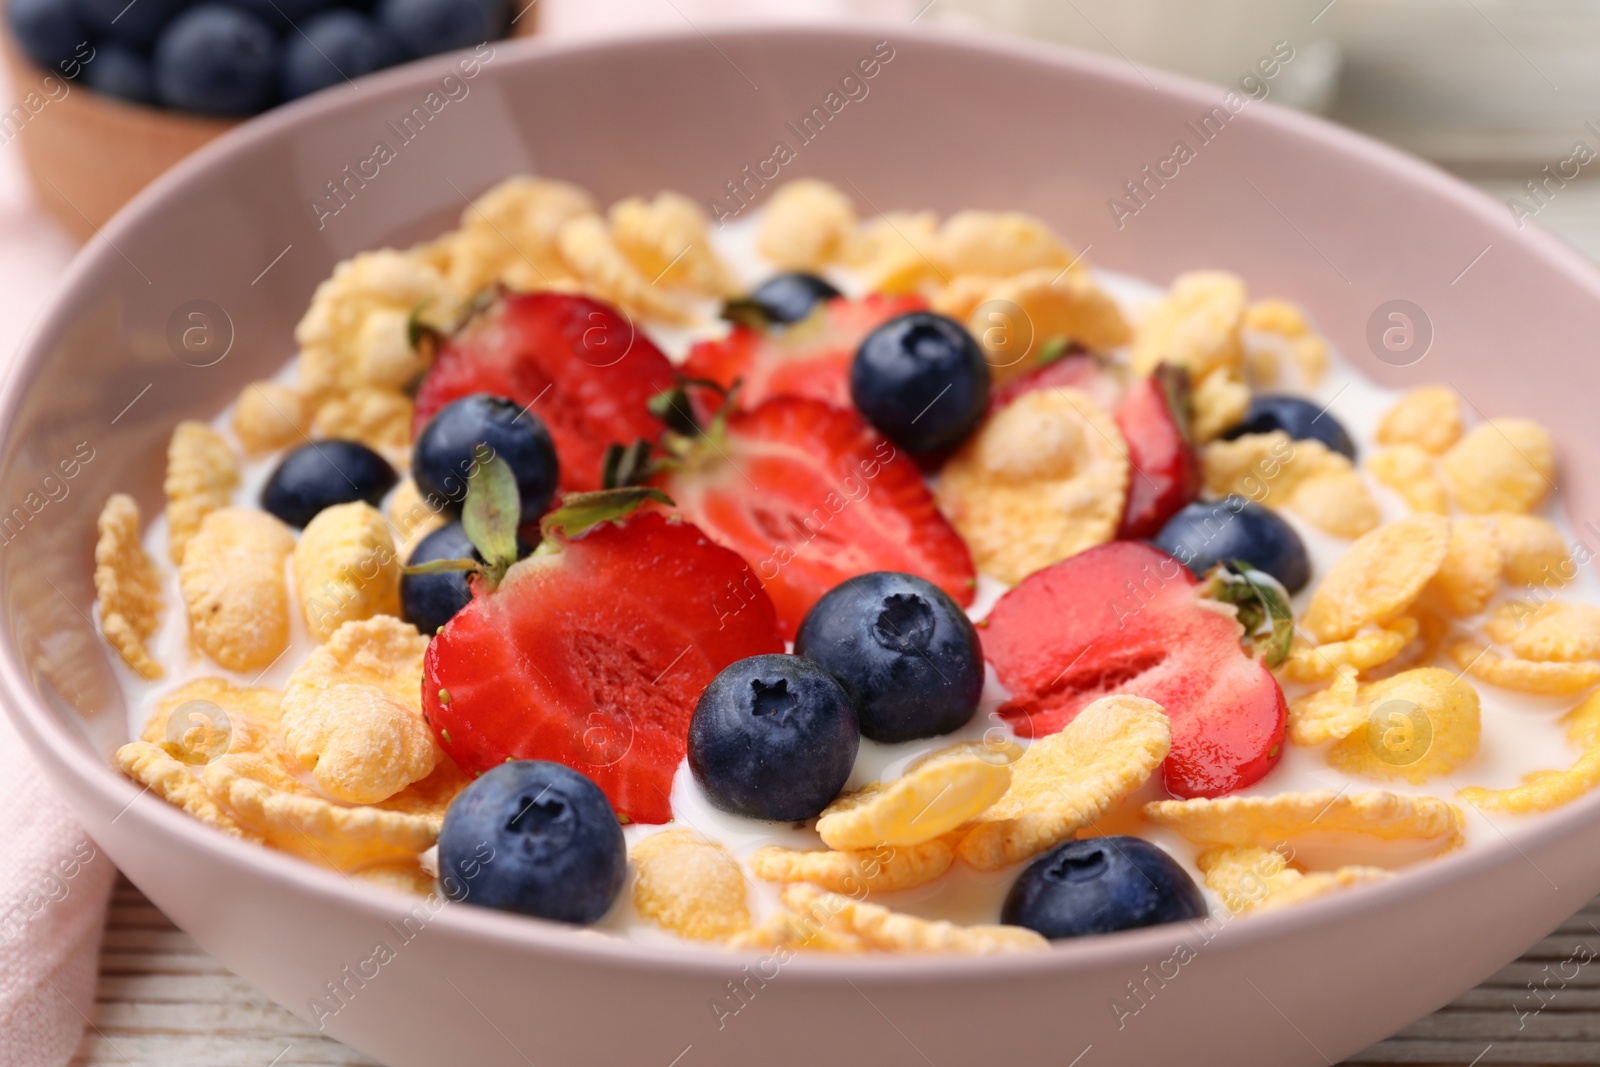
[(580, 512), (1052, 349), (1174, 383), (490, 513), (626, 465), (746, 313), (1262, 604), (443, 566)]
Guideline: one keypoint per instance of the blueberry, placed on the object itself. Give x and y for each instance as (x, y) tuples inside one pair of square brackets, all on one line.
[(445, 455), (122, 72), (786, 298), (324, 473), (905, 652), (428, 601), (1205, 534), (333, 47), (773, 737), (1300, 419), (217, 60), (136, 25), (49, 31), (282, 15), (424, 27), (921, 380), (536, 838), (1099, 885)]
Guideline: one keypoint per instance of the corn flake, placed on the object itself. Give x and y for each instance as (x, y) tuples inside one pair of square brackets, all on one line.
[(1419, 724), (893, 253), (174, 782), (127, 586), (784, 929), (1264, 467), (269, 416), (805, 225), (508, 235), (410, 516), (346, 568), (1428, 418), (1502, 465), (216, 717), (1258, 879), (1051, 305), (233, 587), (891, 931), (1378, 577), (689, 885), (1236, 822), (1336, 500), (1560, 632), (1533, 549), (1409, 470), (1220, 402), (885, 869), (999, 244), (1328, 714), (1195, 326), (1319, 663), (201, 477), (935, 795), (1471, 570), (1525, 676), (604, 271), (378, 418), (1068, 780), (1040, 481), (668, 241)]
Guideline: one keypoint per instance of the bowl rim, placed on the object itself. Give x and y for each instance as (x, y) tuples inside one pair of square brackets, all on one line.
[(53, 742)]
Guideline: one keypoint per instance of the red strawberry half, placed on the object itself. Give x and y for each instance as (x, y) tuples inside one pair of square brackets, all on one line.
[(1127, 618), (811, 496), (593, 655), (578, 364), (810, 358)]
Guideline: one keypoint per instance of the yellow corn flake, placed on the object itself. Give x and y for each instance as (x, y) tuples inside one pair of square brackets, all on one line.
[(893, 253), (1236, 822), (891, 931), (805, 225), (1017, 315), (1221, 402), (668, 241), (1378, 577), (689, 885), (175, 783), (1502, 465), (346, 567), (408, 878), (1583, 723), (201, 477), (269, 416), (1409, 470), (1509, 619), (1524, 676), (1336, 501), (1428, 418), (215, 717), (1195, 326), (885, 869), (1068, 780), (1265, 467), (1328, 714), (509, 233), (1310, 354), (352, 712), (1276, 316), (784, 929), (960, 297), (127, 586), (378, 418), (1560, 632), (1470, 573), (354, 334), (999, 244), (1042, 480), (1259, 879), (1533, 549), (233, 587), (602, 269), (1543, 790), (1319, 663), (1418, 724), (410, 517), (934, 796), (1262, 365)]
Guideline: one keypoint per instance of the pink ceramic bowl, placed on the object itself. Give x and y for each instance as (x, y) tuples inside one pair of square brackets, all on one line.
[(1297, 207)]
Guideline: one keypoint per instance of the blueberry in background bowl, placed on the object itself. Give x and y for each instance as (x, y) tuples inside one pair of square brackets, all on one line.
[(536, 838), (921, 381), (903, 649), (1206, 533), (217, 60), (1100, 885), (320, 474), (333, 47), (122, 71), (790, 297), (446, 451), (282, 15), (49, 31), (773, 737), (136, 25), (424, 27), (1301, 419)]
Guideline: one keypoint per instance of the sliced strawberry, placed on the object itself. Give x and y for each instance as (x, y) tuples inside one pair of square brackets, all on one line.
[(577, 363), (810, 496), (1076, 370), (594, 656), (1126, 618), (811, 358)]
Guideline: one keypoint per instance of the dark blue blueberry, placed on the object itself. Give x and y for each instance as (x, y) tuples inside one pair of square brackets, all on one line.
[(537, 838), (321, 474), (1205, 534), (921, 380), (217, 60), (424, 27), (1300, 419), (136, 25), (773, 737), (333, 47), (428, 601), (282, 15), (122, 72), (786, 298), (49, 31), (446, 453), (1100, 885), (905, 652)]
